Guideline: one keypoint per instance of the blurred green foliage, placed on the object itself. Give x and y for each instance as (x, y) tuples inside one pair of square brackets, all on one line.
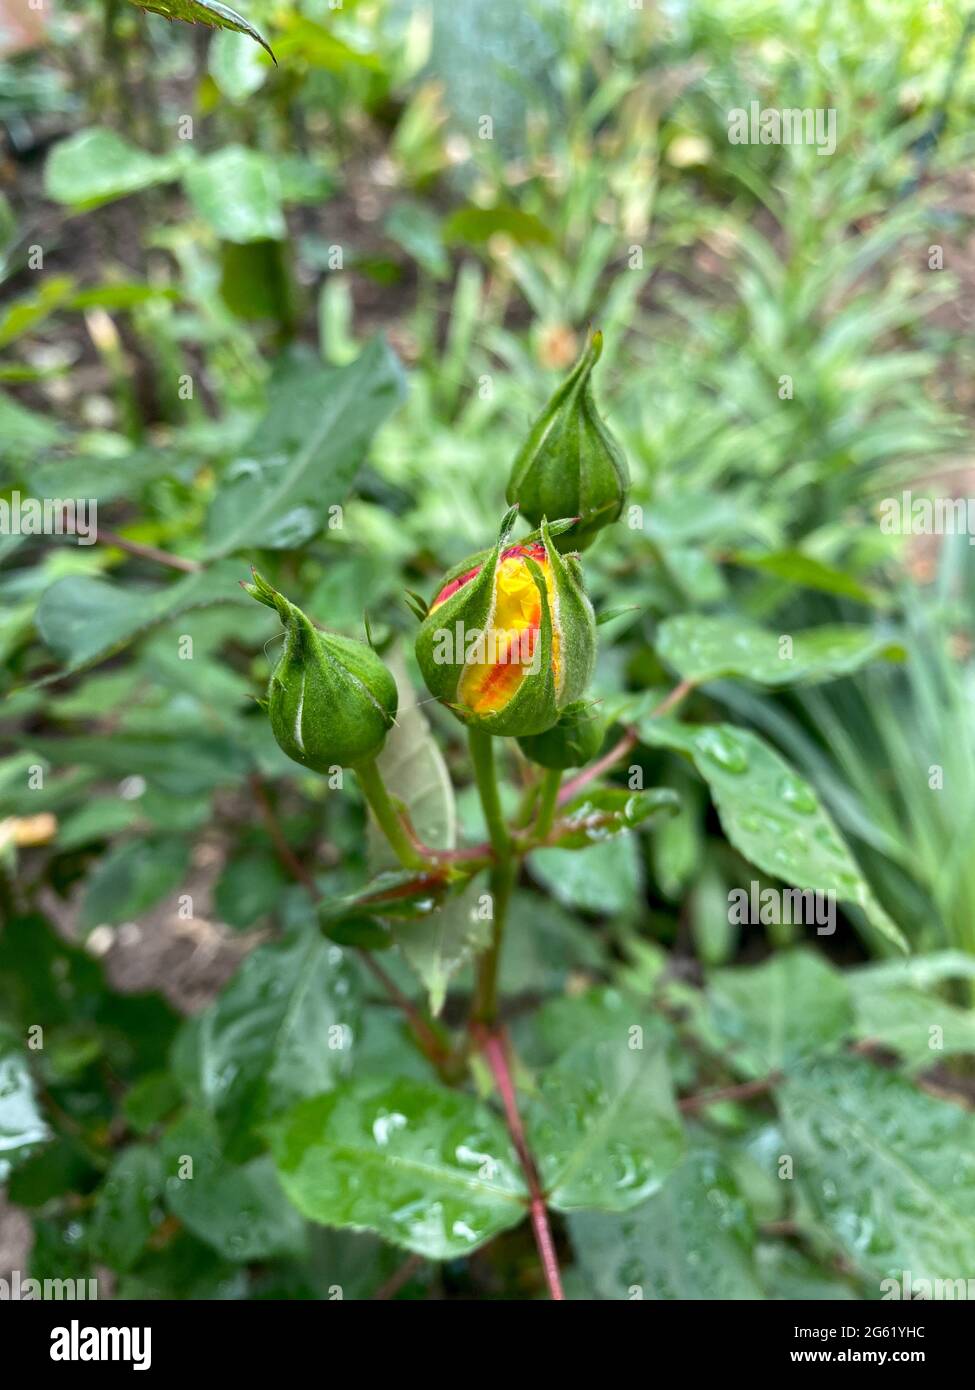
[(203, 253)]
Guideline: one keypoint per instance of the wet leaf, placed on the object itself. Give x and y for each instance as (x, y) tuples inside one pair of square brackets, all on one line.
[(693, 1240), (770, 814), (239, 1210), (701, 647), (282, 1029), (426, 1168), (209, 12), (604, 1128), (305, 454), (888, 1170), (22, 1125), (773, 1014)]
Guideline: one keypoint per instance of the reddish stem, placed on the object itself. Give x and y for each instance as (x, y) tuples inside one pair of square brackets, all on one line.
[(148, 552), (747, 1090), (494, 1049), (396, 1280), (282, 849), (430, 1045), (619, 750)]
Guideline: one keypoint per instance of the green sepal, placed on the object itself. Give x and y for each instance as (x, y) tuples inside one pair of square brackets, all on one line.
[(571, 742)]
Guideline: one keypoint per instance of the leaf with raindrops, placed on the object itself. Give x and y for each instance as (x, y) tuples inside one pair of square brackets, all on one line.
[(310, 445), (604, 1128), (429, 1169), (694, 1239), (282, 1029), (770, 1015), (22, 1126), (771, 815), (238, 1209), (703, 647), (887, 1169), (128, 1207)]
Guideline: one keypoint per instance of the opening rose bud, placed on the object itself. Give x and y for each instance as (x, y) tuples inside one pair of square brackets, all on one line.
[(331, 701), (509, 639), (570, 464)]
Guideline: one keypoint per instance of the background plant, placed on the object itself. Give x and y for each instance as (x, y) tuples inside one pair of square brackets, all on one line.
[(191, 352)]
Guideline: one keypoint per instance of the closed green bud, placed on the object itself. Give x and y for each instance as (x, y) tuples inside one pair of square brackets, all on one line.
[(510, 638), (570, 464), (572, 742), (331, 701)]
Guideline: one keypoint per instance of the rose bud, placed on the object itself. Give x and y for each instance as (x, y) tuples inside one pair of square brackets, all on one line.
[(572, 742), (510, 638), (331, 700), (570, 464)]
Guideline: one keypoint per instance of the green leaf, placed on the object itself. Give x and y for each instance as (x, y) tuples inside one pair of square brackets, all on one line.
[(150, 1101), (184, 1268), (100, 819), (406, 893), (133, 877), (886, 1168), (255, 280), (603, 1128), (250, 887), (790, 1276), (22, 1125), (770, 814), (920, 972), (703, 648), (97, 166), (281, 1030), (209, 12), (306, 453), (426, 1168), (545, 945), (127, 1207), (185, 764), (23, 433), (677, 849), (715, 935), (306, 42), (413, 768), (416, 229), (808, 573), (773, 1014), (236, 66), (29, 310), (415, 773), (598, 1014), (238, 193), (84, 620), (240, 1210), (607, 811), (475, 226), (923, 1028), (438, 945), (693, 1240), (605, 879)]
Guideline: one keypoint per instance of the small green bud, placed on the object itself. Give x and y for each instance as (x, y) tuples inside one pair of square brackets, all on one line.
[(331, 701), (570, 464), (572, 742), (510, 637)]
